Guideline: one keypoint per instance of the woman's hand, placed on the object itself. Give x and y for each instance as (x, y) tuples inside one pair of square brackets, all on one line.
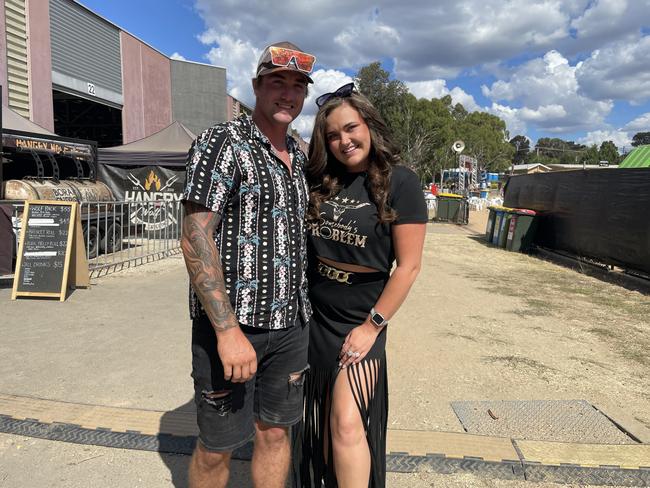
[(357, 344)]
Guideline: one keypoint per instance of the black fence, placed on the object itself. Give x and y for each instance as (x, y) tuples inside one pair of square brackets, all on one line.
[(600, 214)]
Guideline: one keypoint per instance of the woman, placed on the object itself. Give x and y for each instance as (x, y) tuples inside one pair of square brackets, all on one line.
[(365, 213)]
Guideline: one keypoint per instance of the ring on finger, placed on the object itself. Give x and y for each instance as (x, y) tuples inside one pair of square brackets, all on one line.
[(350, 353), (357, 354)]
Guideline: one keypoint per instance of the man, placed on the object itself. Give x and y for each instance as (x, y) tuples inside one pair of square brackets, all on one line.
[(245, 251)]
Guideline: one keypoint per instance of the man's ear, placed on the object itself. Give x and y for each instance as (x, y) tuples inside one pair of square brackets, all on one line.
[(256, 83)]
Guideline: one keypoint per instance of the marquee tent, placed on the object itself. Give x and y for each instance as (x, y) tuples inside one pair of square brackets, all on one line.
[(638, 158), (12, 121), (167, 148)]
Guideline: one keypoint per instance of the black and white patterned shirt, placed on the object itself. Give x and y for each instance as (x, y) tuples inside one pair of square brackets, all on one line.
[(232, 170)]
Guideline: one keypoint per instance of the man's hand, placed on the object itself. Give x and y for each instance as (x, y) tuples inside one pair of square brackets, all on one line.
[(237, 355)]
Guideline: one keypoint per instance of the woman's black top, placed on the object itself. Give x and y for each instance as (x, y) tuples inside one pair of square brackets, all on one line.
[(348, 230)]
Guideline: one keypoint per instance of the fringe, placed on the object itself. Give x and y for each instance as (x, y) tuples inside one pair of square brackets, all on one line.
[(312, 468)]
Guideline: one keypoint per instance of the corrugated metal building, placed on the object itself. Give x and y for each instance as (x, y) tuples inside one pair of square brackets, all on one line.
[(74, 72)]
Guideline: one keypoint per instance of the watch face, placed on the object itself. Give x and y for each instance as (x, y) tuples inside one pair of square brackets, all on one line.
[(378, 319)]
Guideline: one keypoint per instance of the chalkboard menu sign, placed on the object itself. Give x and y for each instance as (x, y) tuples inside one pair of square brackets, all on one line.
[(45, 247)]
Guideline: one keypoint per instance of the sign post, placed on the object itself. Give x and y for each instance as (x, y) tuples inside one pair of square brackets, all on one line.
[(51, 254)]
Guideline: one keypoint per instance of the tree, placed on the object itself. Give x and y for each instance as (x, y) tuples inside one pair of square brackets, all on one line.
[(418, 132), (608, 152), (385, 94), (522, 149), (484, 136), (557, 151), (641, 138), (591, 155), (426, 129)]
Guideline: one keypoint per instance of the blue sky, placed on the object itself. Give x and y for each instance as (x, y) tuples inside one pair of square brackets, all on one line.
[(574, 69)]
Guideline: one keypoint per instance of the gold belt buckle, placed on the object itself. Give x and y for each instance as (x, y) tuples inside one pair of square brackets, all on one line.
[(334, 274)]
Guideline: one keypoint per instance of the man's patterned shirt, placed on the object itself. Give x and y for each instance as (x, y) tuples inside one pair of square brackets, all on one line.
[(232, 170)]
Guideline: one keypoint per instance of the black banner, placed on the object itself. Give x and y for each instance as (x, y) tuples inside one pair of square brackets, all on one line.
[(146, 184), (7, 239), (601, 214)]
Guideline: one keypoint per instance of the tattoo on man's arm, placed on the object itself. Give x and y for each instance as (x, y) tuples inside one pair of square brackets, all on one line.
[(204, 265)]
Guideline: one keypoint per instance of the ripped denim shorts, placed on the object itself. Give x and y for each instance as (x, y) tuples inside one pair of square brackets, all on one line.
[(226, 412)]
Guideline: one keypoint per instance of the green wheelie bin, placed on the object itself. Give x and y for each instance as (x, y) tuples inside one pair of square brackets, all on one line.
[(504, 227), (521, 233), (449, 205), (489, 228)]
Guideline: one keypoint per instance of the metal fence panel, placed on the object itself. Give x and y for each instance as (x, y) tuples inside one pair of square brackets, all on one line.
[(119, 235)]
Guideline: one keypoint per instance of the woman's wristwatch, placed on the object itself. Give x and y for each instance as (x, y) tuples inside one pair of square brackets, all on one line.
[(377, 319)]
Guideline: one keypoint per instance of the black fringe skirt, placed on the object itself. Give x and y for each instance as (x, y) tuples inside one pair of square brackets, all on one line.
[(338, 308)]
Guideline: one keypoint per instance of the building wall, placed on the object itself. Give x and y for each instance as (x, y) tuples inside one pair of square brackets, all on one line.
[(199, 97), (40, 65), (3, 54), (146, 82), (133, 112), (157, 90), (85, 50), (16, 46)]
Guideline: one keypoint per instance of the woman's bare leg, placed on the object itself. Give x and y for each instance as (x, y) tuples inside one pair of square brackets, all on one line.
[(349, 444)]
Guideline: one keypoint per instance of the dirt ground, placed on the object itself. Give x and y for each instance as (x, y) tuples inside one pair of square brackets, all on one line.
[(479, 324), (487, 324)]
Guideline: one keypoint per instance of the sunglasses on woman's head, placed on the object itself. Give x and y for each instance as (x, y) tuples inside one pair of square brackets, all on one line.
[(344, 92)]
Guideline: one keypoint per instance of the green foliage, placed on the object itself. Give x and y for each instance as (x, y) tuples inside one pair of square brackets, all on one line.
[(385, 94), (521, 144), (608, 152), (485, 138), (558, 151), (591, 155), (426, 129), (641, 138)]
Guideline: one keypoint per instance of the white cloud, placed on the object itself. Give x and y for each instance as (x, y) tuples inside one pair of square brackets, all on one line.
[(178, 57), (601, 15), (514, 124), (532, 48), (548, 92), (605, 21), (619, 71), (424, 39), (240, 60), (458, 95), (640, 124), (618, 137), (438, 89), (304, 125), (428, 89), (325, 81)]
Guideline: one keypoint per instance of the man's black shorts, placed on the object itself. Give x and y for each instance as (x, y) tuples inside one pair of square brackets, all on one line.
[(226, 412)]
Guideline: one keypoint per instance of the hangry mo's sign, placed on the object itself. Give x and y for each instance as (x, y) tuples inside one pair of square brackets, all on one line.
[(51, 146), (158, 189)]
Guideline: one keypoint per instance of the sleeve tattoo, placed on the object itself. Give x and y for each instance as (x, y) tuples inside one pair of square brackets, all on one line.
[(204, 265)]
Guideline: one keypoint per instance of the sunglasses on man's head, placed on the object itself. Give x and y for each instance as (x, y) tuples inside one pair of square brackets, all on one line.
[(282, 56), (343, 92)]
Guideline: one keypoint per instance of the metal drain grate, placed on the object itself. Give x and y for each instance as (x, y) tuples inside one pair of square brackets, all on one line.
[(544, 420)]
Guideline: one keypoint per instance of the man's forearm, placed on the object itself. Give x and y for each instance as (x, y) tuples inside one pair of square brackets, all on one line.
[(204, 266)]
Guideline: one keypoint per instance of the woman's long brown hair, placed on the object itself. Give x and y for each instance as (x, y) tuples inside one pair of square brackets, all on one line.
[(324, 171)]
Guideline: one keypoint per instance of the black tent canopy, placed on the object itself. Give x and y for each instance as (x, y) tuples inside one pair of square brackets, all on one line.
[(167, 148)]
